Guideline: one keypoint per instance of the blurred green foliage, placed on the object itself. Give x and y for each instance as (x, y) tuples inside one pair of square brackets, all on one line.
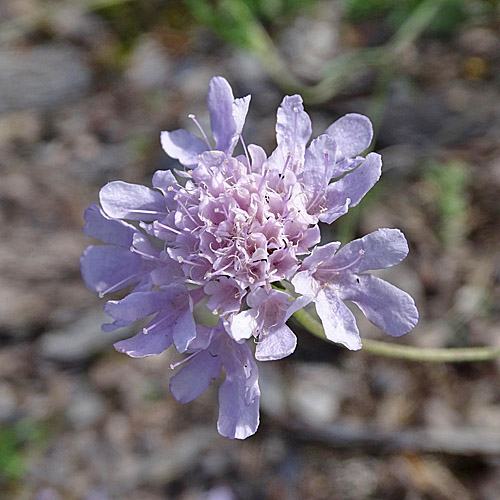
[(453, 13), (15, 442), (449, 183)]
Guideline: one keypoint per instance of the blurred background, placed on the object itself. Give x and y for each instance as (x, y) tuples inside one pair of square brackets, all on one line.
[(86, 86)]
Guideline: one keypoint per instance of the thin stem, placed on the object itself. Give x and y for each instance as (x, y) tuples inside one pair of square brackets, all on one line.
[(378, 348)]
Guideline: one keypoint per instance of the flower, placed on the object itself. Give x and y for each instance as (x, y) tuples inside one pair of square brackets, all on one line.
[(227, 233), (330, 276), (227, 117), (239, 394)]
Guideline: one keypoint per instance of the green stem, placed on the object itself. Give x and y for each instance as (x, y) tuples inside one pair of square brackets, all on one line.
[(378, 348)]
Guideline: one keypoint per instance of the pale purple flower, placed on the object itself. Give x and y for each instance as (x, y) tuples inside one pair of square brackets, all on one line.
[(239, 394), (227, 234), (173, 320), (265, 320), (227, 116), (330, 276)]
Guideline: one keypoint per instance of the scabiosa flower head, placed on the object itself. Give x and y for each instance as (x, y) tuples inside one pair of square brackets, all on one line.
[(229, 229)]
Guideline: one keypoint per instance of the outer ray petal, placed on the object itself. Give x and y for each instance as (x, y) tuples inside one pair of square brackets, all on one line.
[(338, 321), (293, 130), (110, 267), (108, 230), (239, 394), (220, 106), (379, 250), (385, 305), (122, 200), (145, 344), (195, 377), (276, 343), (353, 134), (183, 146), (348, 191)]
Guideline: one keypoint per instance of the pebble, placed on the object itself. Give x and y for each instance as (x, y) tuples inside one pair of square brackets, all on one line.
[(41, 77), (85, 408), (81, 340), (316, 393), (8, 403), (310, 43), (150, 66)]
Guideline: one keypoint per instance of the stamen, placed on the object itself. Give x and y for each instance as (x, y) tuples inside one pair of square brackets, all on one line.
[(200, 128), (159, 225), (146, 212), (154, 325), (185, 360), (263, 180), (219, 271), (358, 258), (288, 156), (246, 152), (186, 211), (144, 254), (296, 113), (116, 286), (182, 260)]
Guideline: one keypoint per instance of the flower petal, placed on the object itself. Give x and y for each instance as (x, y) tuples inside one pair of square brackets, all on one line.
[(239, 394), (353, 134), (258, 156), (225, 294), (184, 328), (242, 325), (109, 268), (195, 377), (384, 305), (136, 306), (379, 250), (240, 110), (318, 168), (122, 200), (183, 146), (108, 230), (220, 106), (276, 343), (348, 191), (321, 254), (338, 321), (293, 130), (145, 344)]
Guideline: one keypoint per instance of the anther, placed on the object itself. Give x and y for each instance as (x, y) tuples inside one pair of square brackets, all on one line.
[(191, 356), (193, 117), (358, 258)]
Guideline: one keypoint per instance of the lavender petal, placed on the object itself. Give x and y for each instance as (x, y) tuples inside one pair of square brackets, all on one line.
[(353, 134), (195, 377), (384, 305), (183, 146), (122, 200)]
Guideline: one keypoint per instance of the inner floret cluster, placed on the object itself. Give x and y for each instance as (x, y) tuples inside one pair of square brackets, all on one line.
[(229, 231)]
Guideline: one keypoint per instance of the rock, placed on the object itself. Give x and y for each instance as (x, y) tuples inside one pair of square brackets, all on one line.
[(149, 67), (8, 403), (73, 22), (81, 340), (316, 393), (24, 125), (47, 494), (165, 466), (310, 43), (41, 78), (85, 408), (483, 42), (219, 493)]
